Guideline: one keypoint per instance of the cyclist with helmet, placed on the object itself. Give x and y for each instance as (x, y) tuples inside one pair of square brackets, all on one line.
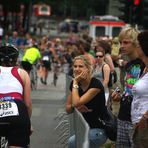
[(15, 103), (31, 56)]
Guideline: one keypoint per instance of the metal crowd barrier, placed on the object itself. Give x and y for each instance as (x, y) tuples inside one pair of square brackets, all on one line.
[(70, 124), (81, 129)]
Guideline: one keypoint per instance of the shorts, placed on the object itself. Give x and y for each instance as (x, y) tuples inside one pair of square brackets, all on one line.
[(46, 64), (97, 137), (124, 134), (17, 128), (26, 65)]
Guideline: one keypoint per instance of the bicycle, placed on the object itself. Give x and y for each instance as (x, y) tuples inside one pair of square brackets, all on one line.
[(4, 142), (33, 77), (56, 71)]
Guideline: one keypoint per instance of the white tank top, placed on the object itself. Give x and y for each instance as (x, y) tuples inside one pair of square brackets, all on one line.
[(10, 82)]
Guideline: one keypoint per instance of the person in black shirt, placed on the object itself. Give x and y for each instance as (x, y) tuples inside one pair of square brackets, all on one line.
[(88, 96)]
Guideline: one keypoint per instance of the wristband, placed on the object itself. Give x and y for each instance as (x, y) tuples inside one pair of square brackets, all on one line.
[(75, 86)]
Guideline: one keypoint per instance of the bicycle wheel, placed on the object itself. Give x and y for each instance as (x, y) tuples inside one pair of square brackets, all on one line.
[(55, 79), (33, 78), (55, 73)]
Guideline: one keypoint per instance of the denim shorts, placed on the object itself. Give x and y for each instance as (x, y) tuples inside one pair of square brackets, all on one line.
[(97, 137)]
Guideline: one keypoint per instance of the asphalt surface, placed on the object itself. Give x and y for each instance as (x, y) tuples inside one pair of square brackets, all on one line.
[(48, 102)]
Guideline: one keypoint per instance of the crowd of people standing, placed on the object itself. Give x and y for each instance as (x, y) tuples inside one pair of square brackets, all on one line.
[(132, 123), (91, 63)]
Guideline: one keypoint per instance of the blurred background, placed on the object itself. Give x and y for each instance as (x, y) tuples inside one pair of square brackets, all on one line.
[(40, 16)]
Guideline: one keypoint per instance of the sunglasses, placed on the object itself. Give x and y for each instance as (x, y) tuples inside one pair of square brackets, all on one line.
[(100, 56)]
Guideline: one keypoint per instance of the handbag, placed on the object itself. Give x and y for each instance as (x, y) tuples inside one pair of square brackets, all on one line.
[(110, 125)]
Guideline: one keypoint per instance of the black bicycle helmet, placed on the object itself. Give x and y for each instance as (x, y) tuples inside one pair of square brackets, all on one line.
[(8, 55)]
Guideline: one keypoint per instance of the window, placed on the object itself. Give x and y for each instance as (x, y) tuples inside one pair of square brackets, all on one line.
[(100, 31), (116, 31), (44, 10)]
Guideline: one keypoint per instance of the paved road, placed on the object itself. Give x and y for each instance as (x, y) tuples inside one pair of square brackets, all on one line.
[(48, 101)]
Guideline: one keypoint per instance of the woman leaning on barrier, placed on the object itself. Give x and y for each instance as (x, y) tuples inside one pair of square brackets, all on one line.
[(88, 96)]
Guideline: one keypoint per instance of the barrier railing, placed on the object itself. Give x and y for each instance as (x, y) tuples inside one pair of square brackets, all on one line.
[(72, 124), (81, 129)]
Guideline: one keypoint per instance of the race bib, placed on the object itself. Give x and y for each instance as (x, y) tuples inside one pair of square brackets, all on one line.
[(45, 58), (8, 108)]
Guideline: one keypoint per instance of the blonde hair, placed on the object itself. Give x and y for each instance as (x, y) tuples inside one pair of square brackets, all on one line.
[(86, 61), (130, 33)]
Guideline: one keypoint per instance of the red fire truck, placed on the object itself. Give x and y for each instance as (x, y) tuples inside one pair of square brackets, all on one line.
[(105, 26)]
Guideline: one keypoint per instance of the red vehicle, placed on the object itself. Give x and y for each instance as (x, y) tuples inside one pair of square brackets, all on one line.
[(42, 10), (105, 26)]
